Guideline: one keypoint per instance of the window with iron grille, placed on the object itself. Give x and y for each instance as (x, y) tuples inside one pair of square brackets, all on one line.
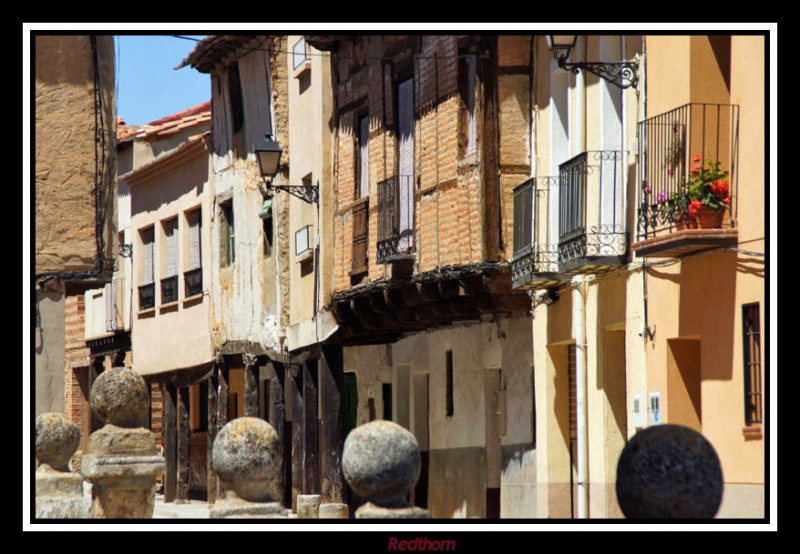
[(147, 291), (169, 284), (193, 278), (751, 328)]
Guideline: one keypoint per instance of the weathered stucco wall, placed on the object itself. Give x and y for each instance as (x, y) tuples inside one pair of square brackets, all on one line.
[(476, 448), (174, 336), (66, 168), (49, 344)]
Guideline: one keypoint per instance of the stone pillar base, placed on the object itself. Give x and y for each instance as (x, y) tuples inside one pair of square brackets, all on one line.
[(232, 508), (334, 510)]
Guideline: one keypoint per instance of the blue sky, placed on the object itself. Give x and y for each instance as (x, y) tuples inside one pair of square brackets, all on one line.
[(148, 88)]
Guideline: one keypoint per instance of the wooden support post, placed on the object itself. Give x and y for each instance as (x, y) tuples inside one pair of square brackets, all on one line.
[(331, 377), (222, 407), (250, 385), (277, 417), (295, 384), (170, 441), (211, 477), (310, 429), (182, 432)]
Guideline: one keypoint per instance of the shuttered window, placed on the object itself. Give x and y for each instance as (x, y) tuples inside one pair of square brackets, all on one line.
[(194, 222), (405, 115), (363, 142), (472, 127), (171, 236), (751, 326), (149, 243)]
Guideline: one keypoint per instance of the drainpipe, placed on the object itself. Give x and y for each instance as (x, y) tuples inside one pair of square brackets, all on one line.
[(578, 317)]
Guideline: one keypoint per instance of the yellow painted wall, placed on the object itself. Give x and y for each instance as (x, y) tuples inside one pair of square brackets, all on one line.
[(701, 297)]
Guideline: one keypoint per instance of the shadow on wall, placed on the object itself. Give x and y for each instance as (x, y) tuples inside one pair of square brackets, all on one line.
[(708, 310)]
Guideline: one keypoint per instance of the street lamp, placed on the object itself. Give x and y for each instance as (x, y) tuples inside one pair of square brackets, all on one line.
[(269, 153), (623, 74)]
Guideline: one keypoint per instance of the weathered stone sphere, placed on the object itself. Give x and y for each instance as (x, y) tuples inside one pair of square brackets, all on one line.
[(669, 472), (120, 397), (246, 456), (57, 439), (381, 462)]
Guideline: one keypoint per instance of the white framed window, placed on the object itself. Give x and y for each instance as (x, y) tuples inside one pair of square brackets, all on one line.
[(302, 240), (299, 54)]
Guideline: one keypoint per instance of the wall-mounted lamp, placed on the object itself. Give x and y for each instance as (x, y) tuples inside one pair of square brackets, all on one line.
[(623, 74), (126, 250), (269, 153)]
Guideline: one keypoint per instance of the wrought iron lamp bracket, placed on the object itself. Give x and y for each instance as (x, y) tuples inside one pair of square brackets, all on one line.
[(623, 74)]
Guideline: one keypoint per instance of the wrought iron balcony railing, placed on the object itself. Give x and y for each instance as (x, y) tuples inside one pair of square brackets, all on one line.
[(395, 217), (591, 211), (673, 147), (360, 263), (193, 282), (147, 296), (535, 261), (169, 289)]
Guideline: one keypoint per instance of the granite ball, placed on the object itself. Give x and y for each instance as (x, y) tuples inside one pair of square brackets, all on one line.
[(247, 456), (381, 462), (120, 397), (669, 472), (57, 439)]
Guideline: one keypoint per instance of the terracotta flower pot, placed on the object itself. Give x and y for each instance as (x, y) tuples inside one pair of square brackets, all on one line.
[(707, 219)]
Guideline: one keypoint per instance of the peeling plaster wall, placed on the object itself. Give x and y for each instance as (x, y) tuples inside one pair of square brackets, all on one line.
[(470, 451)]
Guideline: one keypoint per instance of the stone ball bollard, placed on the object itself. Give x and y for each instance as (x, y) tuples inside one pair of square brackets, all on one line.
[(123, 460), (120, 397), (381, 463), (669, 472), (57, 439), (246, 457), (59, 492)]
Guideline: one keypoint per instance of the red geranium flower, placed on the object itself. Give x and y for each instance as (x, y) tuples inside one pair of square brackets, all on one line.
[(696, 158), (696, 168)]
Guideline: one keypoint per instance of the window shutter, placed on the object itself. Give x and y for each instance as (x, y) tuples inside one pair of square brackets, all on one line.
[(108, 295), (472, 126), (405, 113), (148, 256), (171, 232), (363, 140), (194, 240)]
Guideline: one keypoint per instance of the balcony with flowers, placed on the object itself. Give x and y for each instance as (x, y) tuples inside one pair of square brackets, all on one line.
[(688, 162)]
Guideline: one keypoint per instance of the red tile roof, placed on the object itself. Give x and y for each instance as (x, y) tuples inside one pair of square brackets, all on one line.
[(166, 125)]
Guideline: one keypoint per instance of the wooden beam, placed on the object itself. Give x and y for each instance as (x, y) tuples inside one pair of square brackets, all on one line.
[(169, 393), (222, 407), (393, 299), (497, 283), (183, 434), (448, 289), (277, 418), (211, 476), (513, 302), (250, 385), (429, 292), (295, 384), (377, 302), (360, 306), (331, 384), (471, 285), (410, 295), (310, 429)]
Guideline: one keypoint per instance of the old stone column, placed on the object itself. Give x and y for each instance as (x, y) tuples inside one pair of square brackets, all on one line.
[(123, 460), (59, 493), (247, 457), (381, 463)]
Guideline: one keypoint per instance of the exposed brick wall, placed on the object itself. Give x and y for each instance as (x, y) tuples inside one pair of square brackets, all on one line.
[(76, 355), (450, 194)]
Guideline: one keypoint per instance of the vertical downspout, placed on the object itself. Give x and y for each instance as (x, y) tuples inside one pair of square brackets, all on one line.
[(578, 318)]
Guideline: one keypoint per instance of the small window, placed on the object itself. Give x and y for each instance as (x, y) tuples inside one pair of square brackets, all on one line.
[(169, 283), (301, 240), (363, 157), (468, 139), (449, 384), (387, 401), (751, 327), (227, 234), (299, 53), (235, 98)]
